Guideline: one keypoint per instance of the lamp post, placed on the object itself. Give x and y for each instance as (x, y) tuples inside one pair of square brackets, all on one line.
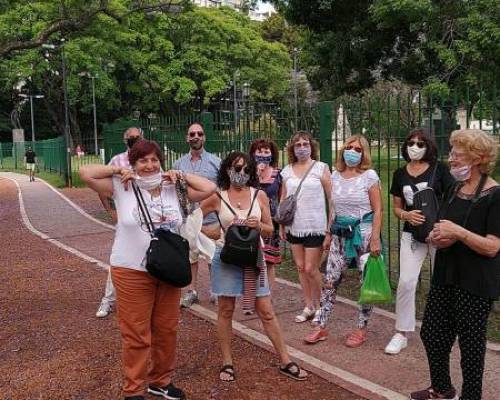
[(31, 97), (236, 75), (295, 91), (246, 98), (66, 109), (94, 109)]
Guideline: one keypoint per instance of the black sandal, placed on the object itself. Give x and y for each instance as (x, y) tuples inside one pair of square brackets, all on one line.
[(229, 370), (293, 374)]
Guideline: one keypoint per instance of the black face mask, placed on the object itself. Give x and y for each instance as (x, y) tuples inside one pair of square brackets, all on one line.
[(133, 140)]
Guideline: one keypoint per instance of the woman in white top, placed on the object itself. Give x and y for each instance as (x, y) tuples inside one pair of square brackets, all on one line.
[(237, 180), (148, 309), (307, 232), (355, 232)]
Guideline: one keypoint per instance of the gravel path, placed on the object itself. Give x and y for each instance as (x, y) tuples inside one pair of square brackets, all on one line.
[(52, 346)]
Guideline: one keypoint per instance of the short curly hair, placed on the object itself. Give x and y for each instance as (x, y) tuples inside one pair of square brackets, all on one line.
[(259, 144), (294, 139), (477, 144), (223, 180), (142, 148)]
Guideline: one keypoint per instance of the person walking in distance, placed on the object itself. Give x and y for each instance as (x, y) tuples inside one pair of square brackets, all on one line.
[(30, 161), (121, 160), (199, 162)]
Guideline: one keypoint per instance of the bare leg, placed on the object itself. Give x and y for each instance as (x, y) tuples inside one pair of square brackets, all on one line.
[(299, 260), (311, 267), (271, 276), (224, 331)]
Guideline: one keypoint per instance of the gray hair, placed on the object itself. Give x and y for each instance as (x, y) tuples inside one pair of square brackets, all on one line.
[(128, 130)]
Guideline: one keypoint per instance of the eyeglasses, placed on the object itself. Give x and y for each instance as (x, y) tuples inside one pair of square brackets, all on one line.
[(453, 155), (192, 134), (356, 149), (419, 143), (304, 144)]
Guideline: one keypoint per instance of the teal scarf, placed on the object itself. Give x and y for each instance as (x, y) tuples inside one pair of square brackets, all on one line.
[(348, 228)]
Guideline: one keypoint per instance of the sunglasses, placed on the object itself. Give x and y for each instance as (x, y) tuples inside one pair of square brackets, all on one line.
[(419, 143), (238, 168), (192, 134), (356, 149)]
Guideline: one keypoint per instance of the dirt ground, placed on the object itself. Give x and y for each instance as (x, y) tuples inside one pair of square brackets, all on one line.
[(53, 347)]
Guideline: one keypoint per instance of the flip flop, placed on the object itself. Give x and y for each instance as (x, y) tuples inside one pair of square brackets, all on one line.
[(229, 370)]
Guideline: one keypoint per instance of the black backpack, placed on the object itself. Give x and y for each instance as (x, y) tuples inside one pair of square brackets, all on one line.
[(426, 201), (242, 243)]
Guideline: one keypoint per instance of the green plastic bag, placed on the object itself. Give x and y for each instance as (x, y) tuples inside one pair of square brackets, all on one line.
[(376, 287)]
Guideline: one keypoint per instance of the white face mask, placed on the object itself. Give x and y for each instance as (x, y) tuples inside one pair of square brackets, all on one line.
[(461, 173), (416, 153), (149, 182)]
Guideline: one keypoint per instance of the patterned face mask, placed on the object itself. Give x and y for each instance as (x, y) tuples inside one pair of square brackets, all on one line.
[(302, 153), (238, 179), (263, 160)]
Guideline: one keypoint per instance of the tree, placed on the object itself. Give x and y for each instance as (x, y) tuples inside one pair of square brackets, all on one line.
[(355, 43)]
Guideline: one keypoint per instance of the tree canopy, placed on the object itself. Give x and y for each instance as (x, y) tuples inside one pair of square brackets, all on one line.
[(354, 43)]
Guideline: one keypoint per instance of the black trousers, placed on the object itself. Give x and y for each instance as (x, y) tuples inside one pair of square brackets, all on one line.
[(452, 312)]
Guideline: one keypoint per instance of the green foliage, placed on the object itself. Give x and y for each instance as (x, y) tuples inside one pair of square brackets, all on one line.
[(354, 43)]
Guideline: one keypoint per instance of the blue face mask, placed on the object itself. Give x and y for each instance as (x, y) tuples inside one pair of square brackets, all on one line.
[(263, 160), (352, 158)]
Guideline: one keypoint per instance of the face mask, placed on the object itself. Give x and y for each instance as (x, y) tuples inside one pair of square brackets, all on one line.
[(302, 153), (352, 157), (133, 140), (416, 153), (461, 173), (149, 182), (263, 160), (238, 179)]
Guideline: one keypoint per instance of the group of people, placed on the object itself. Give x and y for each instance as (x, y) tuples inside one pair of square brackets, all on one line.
[(339, 212)]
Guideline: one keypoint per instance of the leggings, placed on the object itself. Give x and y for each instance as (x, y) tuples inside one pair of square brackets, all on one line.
[(452, 312), (335, 266)]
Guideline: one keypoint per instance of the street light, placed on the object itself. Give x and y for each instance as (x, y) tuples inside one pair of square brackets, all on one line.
[(66, 110), (236, 75), (31, 97), (92, 78)]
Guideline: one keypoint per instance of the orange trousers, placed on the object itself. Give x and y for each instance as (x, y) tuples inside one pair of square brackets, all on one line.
[(148, 315)]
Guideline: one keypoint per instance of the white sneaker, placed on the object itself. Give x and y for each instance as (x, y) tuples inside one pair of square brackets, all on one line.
[(305, 315), (397, 343), (315, 321), (189, 299), (104, 310)]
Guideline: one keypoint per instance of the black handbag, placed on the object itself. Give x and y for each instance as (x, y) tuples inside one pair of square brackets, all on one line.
[(426, 201), (167, 257), (241, 243)]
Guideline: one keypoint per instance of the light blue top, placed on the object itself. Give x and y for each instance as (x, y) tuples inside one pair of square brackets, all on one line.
[(207, 166)]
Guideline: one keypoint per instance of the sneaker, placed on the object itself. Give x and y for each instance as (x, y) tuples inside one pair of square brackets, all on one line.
[(104, 310), (316, 336), (167, 392), (397, 343), (315, 321), (189, 299), (213, 299), (429, 393), (305, 315)]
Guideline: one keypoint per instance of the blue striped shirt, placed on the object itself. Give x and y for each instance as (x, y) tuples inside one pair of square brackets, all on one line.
[(207, 166)]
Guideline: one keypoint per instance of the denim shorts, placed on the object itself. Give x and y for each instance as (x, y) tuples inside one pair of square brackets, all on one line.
[(227, 279)]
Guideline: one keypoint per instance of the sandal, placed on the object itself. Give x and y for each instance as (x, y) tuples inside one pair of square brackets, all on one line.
[(306, 314), (357, 338), (227, 369), (293, 371)]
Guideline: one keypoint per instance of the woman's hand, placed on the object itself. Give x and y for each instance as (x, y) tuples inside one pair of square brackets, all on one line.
[(414, 217), (375, 246), (171, 176), (127, 175), (327, 242), (253, 222), (445, 229)]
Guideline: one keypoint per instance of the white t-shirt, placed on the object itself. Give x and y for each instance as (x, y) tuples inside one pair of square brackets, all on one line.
[(132, 237), (350, 195), (310, 216)]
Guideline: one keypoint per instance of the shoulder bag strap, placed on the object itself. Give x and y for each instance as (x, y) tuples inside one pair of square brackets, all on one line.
[(253, 201), (479, 188), (143, 209), (227, 204), (433, 176), (304, 177)]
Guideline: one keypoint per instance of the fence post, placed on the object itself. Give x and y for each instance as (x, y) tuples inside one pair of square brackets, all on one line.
[(207, 119), (325, 132)]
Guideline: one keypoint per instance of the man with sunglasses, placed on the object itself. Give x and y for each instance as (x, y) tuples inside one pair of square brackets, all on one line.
[(198, 161)]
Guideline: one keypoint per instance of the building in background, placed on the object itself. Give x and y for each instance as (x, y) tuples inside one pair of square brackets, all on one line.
[(261, 13), (219, 3)]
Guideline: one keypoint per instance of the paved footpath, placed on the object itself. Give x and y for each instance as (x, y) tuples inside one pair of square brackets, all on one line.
[(366, 371)]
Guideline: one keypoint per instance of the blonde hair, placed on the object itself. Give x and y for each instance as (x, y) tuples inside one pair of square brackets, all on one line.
[(294, 139), (366, 159), (477, 144)]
